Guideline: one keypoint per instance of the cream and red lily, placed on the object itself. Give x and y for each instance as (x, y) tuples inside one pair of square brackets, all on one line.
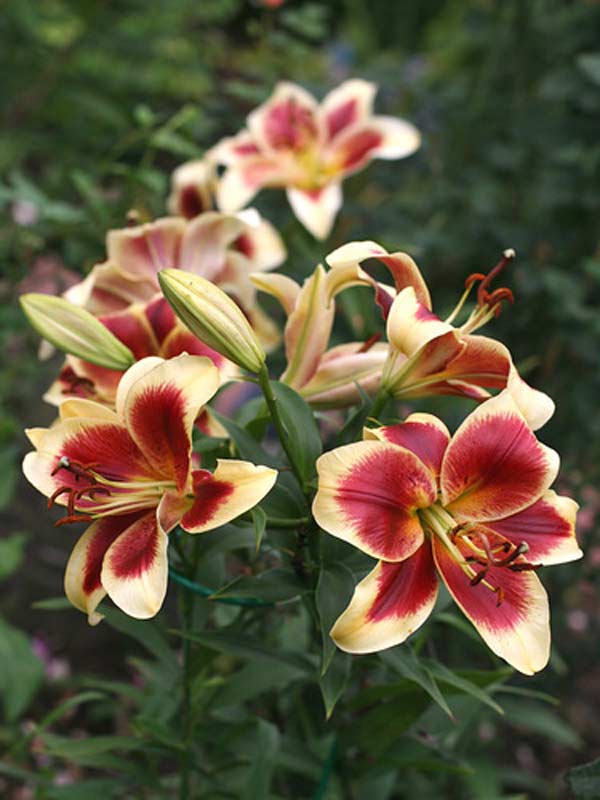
[(326, 378), (430, 356), (292, 141), (221, 248), (193, 187), (476, 508), (130, 474), (149, 329)]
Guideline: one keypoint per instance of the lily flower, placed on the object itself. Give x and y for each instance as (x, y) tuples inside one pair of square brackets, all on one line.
[(326, 378), (476, 508), (149, 329), (430, 356), (293, 142), (130, 474), (221, 248)]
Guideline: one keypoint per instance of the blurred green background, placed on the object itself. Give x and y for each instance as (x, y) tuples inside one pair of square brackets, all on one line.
[(101, 100)]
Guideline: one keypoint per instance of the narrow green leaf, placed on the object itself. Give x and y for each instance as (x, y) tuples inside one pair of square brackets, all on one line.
[(267, 745), (299, 422), (334, 590), (245, 444), (21, 671), (274, 585), (333, 683), (260, 525), (406, 663)]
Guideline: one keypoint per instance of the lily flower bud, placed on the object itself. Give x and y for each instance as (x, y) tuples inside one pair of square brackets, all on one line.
[(213, 317), (75, 331)]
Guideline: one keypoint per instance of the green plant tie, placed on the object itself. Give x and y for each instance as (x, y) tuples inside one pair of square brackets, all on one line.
[(204, 591)]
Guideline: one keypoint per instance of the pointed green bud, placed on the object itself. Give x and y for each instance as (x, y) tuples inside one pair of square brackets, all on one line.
[(213, 317), (75, 331)]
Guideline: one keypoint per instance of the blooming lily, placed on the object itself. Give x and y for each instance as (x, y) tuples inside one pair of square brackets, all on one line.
[(291, 141), (430, 356), (130, 473), (325, 378), (221, 248), (476, 507), (149, 329)]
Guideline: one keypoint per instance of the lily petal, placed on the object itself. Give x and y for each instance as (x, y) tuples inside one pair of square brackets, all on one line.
[(379, 137), (369, 494), (517, 630), (287, 120), (135, 568), (388, 605), (234, 488), (143, 250), (83, 586), (347, 104), (340, 371), (423, 434), (317, 208), (494, 466), (160, 408), (548, 528)]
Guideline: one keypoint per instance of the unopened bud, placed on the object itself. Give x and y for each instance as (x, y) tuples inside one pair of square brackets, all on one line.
[(213, 317), (75, 331)]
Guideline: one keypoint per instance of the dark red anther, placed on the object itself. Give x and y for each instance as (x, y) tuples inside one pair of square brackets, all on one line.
[(523, 567), (366, 346), (73, 518), (500, 592), (491, 298), (478, 577)]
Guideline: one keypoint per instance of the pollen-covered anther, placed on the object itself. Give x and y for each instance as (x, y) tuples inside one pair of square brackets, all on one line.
[(80, 471)]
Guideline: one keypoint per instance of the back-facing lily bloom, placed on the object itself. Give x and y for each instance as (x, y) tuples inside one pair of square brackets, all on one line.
[(477, 508), (130, 473), (307, 148), (221, 248), (429, 356)]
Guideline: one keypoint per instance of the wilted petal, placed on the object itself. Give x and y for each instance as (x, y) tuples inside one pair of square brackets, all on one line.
[(369, 494), (494, 466), (388, 605)]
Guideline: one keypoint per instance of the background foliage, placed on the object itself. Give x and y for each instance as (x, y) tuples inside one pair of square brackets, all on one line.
[(100, 102)]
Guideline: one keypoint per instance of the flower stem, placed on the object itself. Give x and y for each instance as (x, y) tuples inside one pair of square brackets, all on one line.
[(379, 403), (271, 400)]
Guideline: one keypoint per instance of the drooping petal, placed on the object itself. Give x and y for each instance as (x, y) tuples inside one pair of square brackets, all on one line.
[(83, 586), (518, 629), (404, 270), (307, 330), (423, 434), (340, 370), (411, 324), (232, 489), (388, 605), (536, 407), (494, 466), (317, 208), (143, 250), (287, 121), (347, 104), (369, 494), (135, 568), (547, 527), (160, 407), (283, 288)]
